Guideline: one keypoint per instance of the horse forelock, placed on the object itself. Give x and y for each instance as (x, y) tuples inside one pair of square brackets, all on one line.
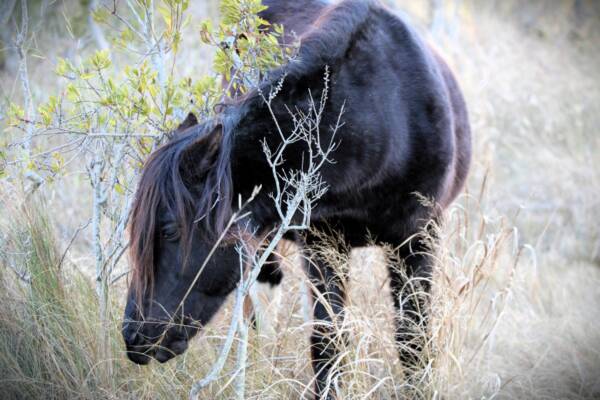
[(163, 189)]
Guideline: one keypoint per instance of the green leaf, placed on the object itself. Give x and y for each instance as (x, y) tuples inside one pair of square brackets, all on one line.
[(127, 36), (100, 60), (262, 22), (231, 11), (222, 63), (15, 114), (206, 29), (58, 162), (165, 12), (87, 75), (119, 189), (64, 67), (100, 15), (73, 94)]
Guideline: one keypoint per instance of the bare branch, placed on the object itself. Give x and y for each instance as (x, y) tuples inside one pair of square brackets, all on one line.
[(296, 192), (226, 348)]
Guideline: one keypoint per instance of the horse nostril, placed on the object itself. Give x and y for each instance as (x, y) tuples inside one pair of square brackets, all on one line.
[(130, 337), (130, 333)]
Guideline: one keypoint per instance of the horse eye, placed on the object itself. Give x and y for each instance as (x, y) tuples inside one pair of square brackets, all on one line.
[(170, 232)]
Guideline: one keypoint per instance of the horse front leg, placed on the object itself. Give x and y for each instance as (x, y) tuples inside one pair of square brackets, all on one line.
[(328, 292)]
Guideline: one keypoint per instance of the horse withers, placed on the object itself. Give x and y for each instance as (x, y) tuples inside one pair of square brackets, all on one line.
[(405, 132)]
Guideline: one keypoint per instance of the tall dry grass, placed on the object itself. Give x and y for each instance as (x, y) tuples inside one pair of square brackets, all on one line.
[(516, 292)]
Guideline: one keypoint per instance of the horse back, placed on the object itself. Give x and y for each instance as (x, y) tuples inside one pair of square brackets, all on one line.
[(405, 123), (296, 16)]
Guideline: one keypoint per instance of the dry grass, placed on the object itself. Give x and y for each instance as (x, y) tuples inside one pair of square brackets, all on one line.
[(516, 300)]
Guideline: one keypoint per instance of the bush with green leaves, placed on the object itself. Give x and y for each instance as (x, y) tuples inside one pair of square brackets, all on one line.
[(119, 103)]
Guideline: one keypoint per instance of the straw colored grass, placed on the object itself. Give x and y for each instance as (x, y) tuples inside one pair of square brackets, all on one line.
[(515, 307)]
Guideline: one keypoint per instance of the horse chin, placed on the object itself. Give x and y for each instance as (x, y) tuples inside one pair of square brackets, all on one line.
[(173, 349), (142, 355), (139, 357)]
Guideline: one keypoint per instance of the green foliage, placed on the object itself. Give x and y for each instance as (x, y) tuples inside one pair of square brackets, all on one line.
[(234, 11), (3, 158), (15, 114), (46, 111), (138, 104), (246, 45), (113, 113)]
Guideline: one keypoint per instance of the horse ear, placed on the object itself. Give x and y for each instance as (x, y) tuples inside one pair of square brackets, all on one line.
[(189, 121), (201, 155)]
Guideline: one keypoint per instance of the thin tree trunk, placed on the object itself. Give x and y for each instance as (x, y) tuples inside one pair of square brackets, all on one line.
[(99, 200), (20, 44)]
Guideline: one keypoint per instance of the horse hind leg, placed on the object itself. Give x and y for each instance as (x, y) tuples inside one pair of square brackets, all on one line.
[(410, 280), (271, 272)]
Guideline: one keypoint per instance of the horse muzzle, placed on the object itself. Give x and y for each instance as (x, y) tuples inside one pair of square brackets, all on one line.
[(142, 347)]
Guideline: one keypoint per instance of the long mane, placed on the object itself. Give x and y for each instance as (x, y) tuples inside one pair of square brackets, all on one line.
[(163, 188), (162, 185)]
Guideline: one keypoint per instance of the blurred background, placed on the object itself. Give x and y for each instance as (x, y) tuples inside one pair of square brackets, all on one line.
[(517, 300)]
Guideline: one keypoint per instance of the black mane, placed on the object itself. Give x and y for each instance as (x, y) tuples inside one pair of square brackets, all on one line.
[(164, 184)]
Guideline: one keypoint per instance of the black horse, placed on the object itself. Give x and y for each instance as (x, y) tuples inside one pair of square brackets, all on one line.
[(405, 135)]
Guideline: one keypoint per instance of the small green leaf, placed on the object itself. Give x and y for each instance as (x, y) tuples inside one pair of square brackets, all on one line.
[(100, 60), (58, 162), (119, 189), (73, 94), (206, 29), (15, 114), (100, 15), (64, 67)]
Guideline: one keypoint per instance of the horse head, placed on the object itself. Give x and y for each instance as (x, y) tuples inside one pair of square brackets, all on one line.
[(181, 275)]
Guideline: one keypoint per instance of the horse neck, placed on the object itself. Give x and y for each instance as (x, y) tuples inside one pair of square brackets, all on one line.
[(249, 167), (254, 125)]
